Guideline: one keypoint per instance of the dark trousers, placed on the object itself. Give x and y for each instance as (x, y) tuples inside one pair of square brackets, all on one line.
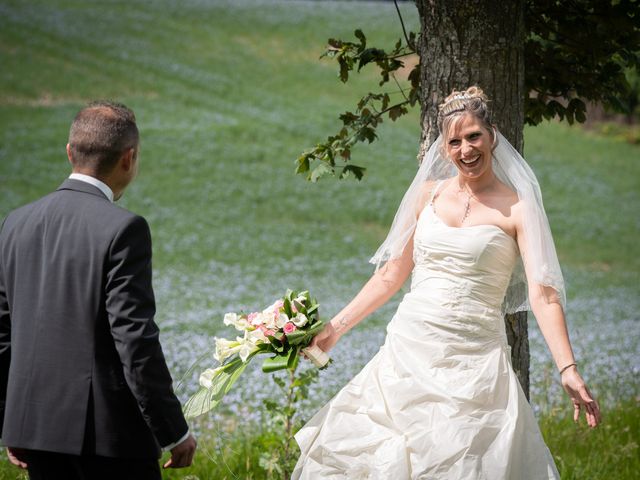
[(60, 466)]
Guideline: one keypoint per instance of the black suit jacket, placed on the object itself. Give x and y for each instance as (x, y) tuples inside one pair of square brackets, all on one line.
[(81, 366)]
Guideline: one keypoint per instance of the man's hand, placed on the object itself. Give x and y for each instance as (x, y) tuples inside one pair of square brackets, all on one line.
[(17, 457), (182, 454)]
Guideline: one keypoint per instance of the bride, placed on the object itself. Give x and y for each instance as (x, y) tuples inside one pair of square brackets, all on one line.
[(440, 399)]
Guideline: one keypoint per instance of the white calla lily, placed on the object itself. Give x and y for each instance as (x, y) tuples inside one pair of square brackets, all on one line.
[(240, 323), (225, 348), (206, 377), (255, 337), (246, 349), (300, 320)]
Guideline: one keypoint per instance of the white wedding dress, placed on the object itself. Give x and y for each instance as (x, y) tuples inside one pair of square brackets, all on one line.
[(440, 399)]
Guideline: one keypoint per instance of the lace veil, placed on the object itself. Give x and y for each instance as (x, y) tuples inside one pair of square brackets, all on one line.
[(513, 171)]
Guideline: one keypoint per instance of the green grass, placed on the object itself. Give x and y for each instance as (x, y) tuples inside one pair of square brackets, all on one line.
[(612, 451), (227, 94), (231, 450)]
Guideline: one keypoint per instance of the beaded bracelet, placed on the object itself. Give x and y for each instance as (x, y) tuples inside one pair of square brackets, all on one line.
[(568, 366)]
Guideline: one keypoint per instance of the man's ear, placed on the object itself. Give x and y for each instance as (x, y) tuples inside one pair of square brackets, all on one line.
[(127, 159), (69, 154)]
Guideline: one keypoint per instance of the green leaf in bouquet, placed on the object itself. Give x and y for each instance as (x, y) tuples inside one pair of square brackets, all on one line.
[(288, 360), (287, 307), (297, 337), (311, 309), (299, 306), (275, 363), (262, 348), (316, 328), (207, 399), (277, 343)]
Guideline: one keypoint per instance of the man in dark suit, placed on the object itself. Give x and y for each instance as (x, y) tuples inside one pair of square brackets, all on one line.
[(85, 392)]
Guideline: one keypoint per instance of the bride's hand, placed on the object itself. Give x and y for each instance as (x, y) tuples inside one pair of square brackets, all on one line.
[(326, 339), (581, 397)]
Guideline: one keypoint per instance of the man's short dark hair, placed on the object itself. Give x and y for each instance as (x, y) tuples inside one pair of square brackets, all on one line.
[(100, 133)]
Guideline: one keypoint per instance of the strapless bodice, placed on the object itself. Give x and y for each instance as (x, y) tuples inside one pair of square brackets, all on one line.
[(470, 265)]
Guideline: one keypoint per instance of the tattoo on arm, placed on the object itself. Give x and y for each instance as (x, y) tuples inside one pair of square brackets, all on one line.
[(343, 324)]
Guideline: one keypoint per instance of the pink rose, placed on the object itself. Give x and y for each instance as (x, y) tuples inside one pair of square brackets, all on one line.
[(289, 328)]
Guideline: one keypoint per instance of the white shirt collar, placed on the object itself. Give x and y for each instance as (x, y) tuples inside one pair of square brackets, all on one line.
[(104, 188)]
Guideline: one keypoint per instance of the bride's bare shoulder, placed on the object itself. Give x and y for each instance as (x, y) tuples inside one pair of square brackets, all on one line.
[(506, 194), (516, 208), (509, 203)]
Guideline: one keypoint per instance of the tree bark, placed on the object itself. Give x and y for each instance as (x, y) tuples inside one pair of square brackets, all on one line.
[(477, 42), (518, 337)]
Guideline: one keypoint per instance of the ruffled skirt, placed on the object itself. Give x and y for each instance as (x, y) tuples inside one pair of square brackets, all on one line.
[(439, 400)]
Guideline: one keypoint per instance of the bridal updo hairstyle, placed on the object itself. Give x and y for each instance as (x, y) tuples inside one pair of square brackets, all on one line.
[(472, 101)]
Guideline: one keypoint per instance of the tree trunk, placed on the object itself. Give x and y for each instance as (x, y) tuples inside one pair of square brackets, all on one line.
[(518, 337), (477, 42)]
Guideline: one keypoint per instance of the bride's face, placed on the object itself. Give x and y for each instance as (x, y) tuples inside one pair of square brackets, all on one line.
[(469, 145)]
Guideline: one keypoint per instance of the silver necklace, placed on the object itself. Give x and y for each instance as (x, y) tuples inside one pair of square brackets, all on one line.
[(467, 207)]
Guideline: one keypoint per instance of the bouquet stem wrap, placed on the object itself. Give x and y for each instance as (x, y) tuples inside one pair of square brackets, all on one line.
[(318, 357)]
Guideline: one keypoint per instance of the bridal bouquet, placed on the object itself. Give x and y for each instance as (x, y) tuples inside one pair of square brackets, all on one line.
[(280, 331)]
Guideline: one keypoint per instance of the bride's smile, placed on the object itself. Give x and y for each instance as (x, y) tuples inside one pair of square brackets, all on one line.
[(470, 161), (469, 147)]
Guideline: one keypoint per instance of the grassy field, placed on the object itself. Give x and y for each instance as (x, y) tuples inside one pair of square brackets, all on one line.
[(610, 452), (227, 94), (231, 450)]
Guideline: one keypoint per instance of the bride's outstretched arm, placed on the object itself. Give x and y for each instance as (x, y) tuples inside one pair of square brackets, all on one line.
[(382, 285), (549, 314)]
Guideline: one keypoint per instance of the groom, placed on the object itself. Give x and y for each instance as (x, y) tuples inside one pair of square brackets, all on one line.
[(85, 392)]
